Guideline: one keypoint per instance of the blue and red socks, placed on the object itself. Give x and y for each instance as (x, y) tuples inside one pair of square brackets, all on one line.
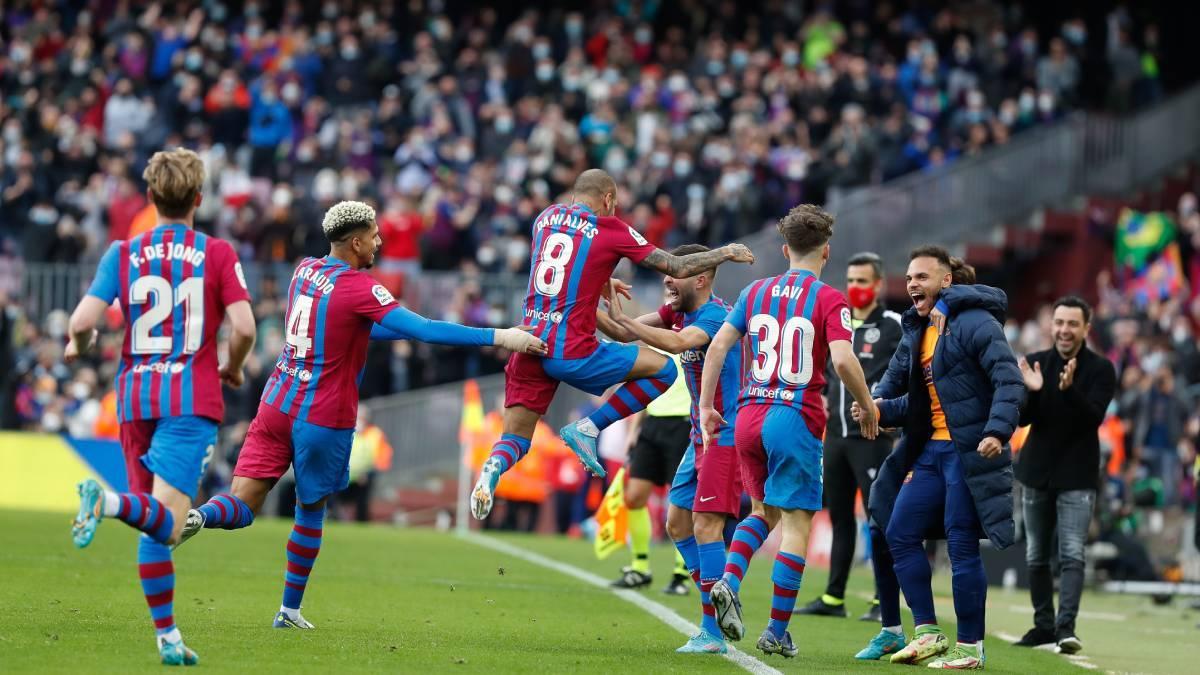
[(712, 565), (226, 512), (141, 511), (634, 396), (509, 450), (786, 575), (749, 536), (157, 573), (302, 548)]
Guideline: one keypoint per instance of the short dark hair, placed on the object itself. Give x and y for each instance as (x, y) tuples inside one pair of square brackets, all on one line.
[(932, 251), (688, 249), (1076, 302), (806, 228), (868, 258)]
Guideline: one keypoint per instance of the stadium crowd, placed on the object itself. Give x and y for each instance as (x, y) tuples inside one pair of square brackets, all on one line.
[(461, 122)]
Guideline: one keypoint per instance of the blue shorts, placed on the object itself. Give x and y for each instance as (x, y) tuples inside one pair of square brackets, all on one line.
[(780, 458), (320, 455), (176, 449), (530, 381), (608, 365)]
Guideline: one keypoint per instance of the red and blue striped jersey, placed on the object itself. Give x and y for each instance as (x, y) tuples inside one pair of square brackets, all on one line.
[(790, 320), (574, 254), (708, 318), (325, 342), (173, 284)]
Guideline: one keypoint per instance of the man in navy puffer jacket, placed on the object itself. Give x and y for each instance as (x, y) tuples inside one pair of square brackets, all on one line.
[(951, 476)]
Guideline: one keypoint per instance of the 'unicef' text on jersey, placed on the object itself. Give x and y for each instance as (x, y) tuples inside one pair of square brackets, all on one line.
[(570, 221)]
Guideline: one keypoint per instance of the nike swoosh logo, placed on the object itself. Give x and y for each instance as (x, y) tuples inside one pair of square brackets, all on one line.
[(707, 499)]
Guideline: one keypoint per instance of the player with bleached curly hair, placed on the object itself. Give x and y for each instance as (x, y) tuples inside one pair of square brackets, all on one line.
[(308, 409)]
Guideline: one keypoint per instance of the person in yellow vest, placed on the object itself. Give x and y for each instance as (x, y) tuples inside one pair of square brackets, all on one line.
[(370, 455), (527, 484)]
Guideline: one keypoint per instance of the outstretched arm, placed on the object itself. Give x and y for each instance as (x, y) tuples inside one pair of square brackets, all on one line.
[(402, 324), (684, 266)]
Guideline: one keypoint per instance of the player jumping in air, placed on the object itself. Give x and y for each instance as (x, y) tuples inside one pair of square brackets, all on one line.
[(309, 406), (175, 286), (707, 488), (576, 247), (794, 322)]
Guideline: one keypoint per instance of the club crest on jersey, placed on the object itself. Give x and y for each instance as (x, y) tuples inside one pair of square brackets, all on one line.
[(871, 336), (846, 319), (241, 276), (382, 295), (637, 236)]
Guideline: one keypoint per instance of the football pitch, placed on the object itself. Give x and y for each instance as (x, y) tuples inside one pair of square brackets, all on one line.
[(405, 600)]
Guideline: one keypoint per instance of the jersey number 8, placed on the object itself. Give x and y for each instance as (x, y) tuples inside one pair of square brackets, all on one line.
[(794, 369), (555, 255)]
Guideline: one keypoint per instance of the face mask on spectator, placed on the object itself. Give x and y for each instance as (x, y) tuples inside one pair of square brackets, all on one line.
[(1180, 335), (659, 160), (1075, 34), (52, 422), (81, 390), (677, 83), (643, 36), (329, 10), (43, 215), (541, 51), (324, 38), (681, 167), (791, 58), (739, 58), (1012, 333), (19, 54), (573, 27), (1026, 103), (1045, 103), (193, 61), (714, 67), (79, 67), (571, 83), (291, 92), (545, 72), (349, 52), (504, 124)]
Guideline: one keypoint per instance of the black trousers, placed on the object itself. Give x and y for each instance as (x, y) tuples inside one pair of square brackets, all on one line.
[(850, 464)]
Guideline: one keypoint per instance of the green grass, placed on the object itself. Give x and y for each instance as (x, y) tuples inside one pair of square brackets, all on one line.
[(399, 600)]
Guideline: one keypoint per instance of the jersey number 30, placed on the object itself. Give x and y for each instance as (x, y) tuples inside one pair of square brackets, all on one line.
[(189, 293), (550, 274), (776, 356)]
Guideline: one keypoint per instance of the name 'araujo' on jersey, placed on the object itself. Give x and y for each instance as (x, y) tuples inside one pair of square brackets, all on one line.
[(574, 254), (331, 309), (790, 320), (708, 318), (173, 284)]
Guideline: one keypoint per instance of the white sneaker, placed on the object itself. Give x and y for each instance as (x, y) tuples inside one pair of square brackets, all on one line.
[(285, 620), (483, 496)]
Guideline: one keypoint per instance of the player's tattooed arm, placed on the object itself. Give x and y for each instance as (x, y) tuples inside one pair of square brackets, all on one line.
[(684, 266)]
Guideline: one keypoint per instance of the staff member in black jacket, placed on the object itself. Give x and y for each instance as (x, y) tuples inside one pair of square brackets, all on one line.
[(1069, 388), (851, 462)]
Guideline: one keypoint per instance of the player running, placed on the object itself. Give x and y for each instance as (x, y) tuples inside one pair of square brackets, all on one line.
[(576, 247), (795, 322), (308, 409), (707, 488), (175, 286)]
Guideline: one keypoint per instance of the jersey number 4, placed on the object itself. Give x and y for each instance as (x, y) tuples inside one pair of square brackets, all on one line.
[(550, 274), (297, 326), (776, 356), (189, 293)]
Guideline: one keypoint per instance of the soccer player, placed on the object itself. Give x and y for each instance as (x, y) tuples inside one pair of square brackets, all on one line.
[(951, 473), (308, 409), (794, 322), (175, 286), (706, 489), (576, 247)]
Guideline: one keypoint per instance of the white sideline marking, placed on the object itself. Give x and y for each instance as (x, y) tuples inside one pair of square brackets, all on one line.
[(658, 611), (1075, 659)]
